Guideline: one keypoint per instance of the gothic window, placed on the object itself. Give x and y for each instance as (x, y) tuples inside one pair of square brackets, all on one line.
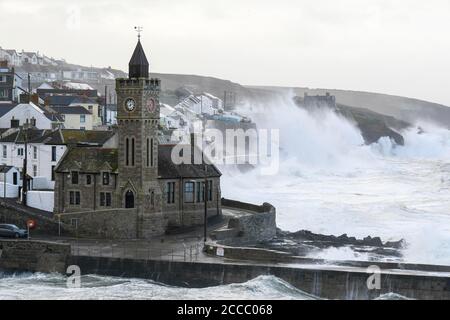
[(88, 179), (74, 177), (132, 152), (127, 152), (151, 152), (152, 198), (148, 152)]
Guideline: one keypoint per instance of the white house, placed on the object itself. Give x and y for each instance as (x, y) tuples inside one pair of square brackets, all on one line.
[(75, 117), (209, 104), (29, 112), (29, 57), (11, 56), (45, 149), (10, 181)]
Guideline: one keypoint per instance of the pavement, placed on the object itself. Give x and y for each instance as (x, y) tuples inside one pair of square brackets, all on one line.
[(184, 244)]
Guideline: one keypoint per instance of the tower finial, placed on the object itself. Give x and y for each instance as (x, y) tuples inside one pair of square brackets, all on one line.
[(139, 30)]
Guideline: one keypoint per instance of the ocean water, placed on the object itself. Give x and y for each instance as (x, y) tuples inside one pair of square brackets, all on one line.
[(330, 182), (53, 286)]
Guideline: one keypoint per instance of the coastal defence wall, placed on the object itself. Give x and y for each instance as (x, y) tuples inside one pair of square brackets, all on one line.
[(259, 224), (33, 256), (317, 280)]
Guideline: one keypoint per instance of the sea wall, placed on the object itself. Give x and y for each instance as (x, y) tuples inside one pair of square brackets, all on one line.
[(318, 280), (258, 223), (33, 256)]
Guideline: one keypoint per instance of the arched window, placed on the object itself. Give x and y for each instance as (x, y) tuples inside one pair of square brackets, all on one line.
[(151, 152), (148, 152), (132, 152), (127, 152), (129, 199)]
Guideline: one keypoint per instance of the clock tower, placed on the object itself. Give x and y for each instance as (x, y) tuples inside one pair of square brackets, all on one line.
[(138, 120)]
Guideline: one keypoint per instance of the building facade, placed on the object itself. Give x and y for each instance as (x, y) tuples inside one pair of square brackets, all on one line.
[(139, 177)]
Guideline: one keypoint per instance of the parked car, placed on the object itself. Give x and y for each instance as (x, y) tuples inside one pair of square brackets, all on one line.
[(12, 231)]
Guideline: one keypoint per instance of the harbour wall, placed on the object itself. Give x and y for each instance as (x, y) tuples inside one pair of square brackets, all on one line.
[(33, 256), (337, 283)]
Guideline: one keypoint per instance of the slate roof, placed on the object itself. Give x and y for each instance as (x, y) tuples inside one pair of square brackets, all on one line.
[(89, 160), (167, 169), (5, 169), (71, 110), (60, 137), (93, 160), (68, 100), (5, 108), (138, 65)]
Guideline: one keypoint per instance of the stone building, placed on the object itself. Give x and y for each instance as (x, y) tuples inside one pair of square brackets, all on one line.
[(135, 190)]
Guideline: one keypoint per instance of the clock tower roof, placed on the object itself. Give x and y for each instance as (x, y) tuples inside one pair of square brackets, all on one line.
[(138, 65)]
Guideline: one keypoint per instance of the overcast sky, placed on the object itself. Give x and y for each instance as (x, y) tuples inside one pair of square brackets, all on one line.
[(398, 47)]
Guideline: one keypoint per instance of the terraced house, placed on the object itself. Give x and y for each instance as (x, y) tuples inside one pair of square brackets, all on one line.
[(135, 190)]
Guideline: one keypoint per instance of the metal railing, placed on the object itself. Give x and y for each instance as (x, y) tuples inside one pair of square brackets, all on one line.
[(186, 253)]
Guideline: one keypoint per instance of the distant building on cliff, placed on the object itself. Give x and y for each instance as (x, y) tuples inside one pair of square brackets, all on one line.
[(319, 101), (135, 190)]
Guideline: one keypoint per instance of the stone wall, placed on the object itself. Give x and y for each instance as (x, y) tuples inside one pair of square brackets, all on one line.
[(33, 256), (112, 223), (115, 224), (256, 224), (321, 281), (18, 215)]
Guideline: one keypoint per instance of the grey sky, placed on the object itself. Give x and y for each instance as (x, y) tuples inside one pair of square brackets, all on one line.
[(389, 46)]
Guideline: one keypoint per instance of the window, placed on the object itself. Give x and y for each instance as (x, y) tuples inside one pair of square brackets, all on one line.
[(53, 153), (82, 118), (2, 78), (3, 93), (189, 192), (151, 152), (34, 152), (88, 179), (127, 152), (148, 152), (210, 190), (105, 178), (105, 199), (132, 152), (74, 177), (5, 151), (200, 191), (15, 123), (20, 152), (82, 128), (33, 122), (170, 192), (15, 178), (74, 198), (34, 170), (53, 173), (152, 198), (90, 108)]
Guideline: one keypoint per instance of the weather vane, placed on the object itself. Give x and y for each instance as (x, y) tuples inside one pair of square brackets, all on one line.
[(139, 30)]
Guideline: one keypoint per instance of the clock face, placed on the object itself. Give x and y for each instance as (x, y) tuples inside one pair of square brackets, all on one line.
[(130, 104), (151, 105)]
